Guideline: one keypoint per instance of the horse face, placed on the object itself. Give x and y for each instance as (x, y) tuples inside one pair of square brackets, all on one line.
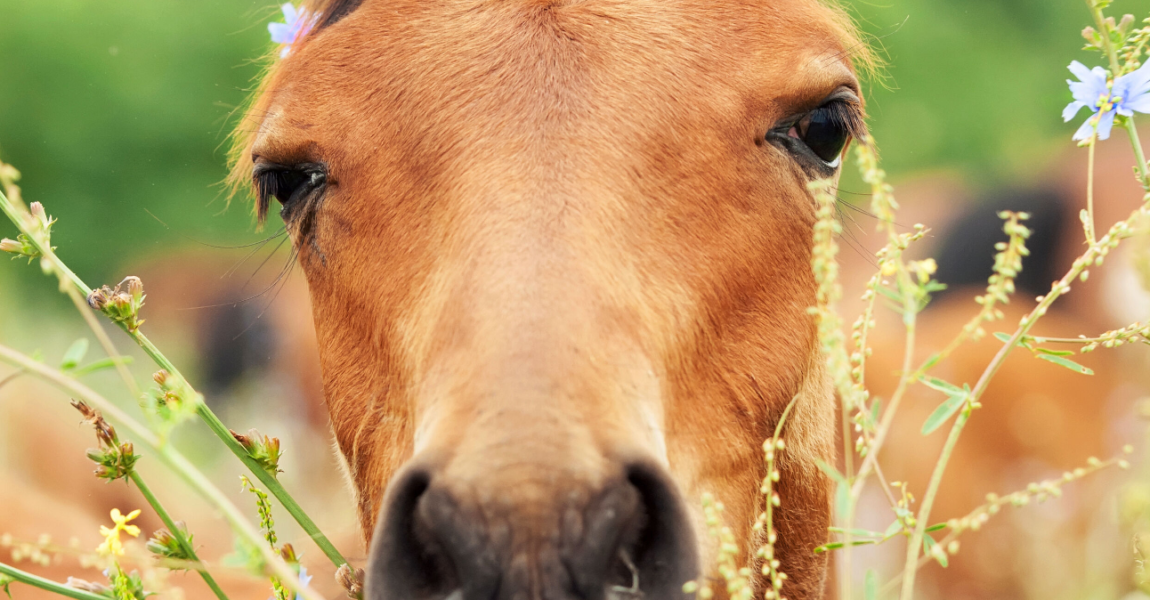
[(558, 253)]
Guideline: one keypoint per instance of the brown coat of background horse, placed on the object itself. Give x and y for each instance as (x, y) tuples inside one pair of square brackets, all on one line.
[(559, 258)]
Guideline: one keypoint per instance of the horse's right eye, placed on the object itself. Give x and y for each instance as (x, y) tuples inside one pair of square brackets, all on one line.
[(825, 131), (287, 184)]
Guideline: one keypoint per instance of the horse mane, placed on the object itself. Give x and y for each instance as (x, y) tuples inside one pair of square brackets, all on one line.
[(238, 181)]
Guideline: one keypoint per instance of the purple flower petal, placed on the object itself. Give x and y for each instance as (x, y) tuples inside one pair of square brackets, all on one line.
[(1105, 124), (1087, 92), (1072, 109), (1136, 83), (1085, 131), (281, 33), (290, 14), (1079, 70), (1140, 104)]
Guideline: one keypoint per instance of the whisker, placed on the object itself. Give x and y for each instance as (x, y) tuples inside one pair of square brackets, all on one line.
[(281, 280)]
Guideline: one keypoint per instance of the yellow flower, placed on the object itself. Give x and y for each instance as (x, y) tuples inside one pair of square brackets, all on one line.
[(112, 545)]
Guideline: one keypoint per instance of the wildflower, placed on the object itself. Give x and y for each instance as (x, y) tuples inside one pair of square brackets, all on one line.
[(112, 545), (1106, 99), (297, 23)]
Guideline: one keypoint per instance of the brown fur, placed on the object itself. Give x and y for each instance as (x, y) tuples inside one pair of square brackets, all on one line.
[(550, 243)]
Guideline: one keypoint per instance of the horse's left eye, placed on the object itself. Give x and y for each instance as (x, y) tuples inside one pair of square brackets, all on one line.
[(824, 130), (287, 184)]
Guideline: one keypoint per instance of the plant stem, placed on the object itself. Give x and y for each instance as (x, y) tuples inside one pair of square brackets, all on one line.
[(1060, 287), (102, 337), (66, 275), (1143, 171), (928, 501), (1088, 223), (47, 584), (176, 533), (170, 456)]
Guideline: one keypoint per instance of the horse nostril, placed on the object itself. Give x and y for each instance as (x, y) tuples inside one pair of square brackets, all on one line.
[(638, 541), (426, 548), (665, 555)]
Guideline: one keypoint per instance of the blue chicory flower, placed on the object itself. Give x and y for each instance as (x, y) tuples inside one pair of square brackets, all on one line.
[(1127, 94), (297, 22)]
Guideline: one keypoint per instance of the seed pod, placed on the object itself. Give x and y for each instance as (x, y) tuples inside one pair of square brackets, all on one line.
[(98, 299)]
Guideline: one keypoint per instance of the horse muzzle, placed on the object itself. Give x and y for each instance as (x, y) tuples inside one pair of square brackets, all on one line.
[(533, 536)]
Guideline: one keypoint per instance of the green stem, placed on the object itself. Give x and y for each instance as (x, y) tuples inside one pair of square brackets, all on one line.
[(928, 503), (273, 485), (171, 457), (176, 533), (1143, 171), (1060, 287), (1089, 224), (47, 584), (205, 413)]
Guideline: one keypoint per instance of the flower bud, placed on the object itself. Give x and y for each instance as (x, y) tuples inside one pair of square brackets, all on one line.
[(160, 377), (352, 581), (88, 586), (98, 299), (134, 287), (8, 245), (37, 210)]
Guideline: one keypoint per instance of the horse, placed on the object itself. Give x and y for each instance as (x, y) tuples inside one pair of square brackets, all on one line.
[(559, 258)]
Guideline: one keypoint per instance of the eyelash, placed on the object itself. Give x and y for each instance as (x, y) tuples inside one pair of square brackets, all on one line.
[(288, 185), (834, 123)]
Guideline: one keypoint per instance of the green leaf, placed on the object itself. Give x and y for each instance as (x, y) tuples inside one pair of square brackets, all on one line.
[(1050, 352), (75, 354), (947, 388), (889, 293), (931, 362), (936, 527), (842, 498), (832, 472), (1002, 337), (895, 527), (928, 543), (830, 546), (871, 586), (1066, 362), (856, 532), (944, 412), (103, 363)]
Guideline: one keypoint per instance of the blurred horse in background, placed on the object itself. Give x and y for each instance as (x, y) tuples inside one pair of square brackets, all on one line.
[(1037, 419)]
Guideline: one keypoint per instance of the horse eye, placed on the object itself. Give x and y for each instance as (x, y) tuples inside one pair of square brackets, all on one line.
[(288, 185), (281, 183), (824, 130)]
